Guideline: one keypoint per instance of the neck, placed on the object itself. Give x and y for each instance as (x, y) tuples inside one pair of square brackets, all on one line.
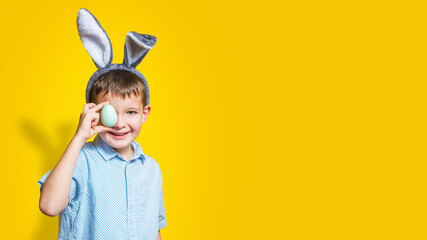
[(126, 153)]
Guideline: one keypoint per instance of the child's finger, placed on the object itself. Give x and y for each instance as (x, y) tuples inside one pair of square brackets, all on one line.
[(89, 118), (101, 128), (94, 123), (88, 106), (99, 106)]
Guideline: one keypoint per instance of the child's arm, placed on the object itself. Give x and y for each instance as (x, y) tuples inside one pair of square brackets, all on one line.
[(159, 237), (55, 190)]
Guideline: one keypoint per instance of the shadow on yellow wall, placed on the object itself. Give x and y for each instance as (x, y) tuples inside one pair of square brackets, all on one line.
[(51, 152)]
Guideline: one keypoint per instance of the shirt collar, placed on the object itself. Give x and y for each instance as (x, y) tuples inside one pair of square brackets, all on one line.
[(108, 153)]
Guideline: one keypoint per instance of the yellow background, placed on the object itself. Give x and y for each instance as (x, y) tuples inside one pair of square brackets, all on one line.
[(270, 119)]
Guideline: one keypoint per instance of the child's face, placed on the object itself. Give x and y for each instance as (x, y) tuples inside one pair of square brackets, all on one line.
[(130, 116)]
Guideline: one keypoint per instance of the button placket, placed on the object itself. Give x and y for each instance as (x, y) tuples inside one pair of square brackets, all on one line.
[(131, 202)]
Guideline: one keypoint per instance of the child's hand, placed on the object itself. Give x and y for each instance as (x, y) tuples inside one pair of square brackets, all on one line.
[(89, 123)]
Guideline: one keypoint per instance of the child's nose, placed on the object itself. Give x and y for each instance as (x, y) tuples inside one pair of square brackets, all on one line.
[(120, 122)]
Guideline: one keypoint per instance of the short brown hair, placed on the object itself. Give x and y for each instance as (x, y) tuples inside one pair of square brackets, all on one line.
[(118, 82)]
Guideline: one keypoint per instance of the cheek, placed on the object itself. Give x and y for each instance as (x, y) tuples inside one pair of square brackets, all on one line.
[(135, 124)]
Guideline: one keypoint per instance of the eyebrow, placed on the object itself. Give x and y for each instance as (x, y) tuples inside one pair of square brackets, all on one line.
[(133, 108)]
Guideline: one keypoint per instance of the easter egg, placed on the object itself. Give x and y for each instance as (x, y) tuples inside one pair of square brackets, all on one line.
[(108, 116)]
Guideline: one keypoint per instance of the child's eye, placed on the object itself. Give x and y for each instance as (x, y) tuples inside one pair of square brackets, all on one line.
[(131, 112)]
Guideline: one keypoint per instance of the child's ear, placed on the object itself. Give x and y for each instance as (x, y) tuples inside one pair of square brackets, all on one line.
[(94, 39), (145, 112), (136, 47)]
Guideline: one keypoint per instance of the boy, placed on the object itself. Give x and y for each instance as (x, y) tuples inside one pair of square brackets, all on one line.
[(108, 188)]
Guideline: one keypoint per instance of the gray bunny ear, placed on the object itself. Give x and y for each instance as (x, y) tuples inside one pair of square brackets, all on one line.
[(136, 47), (94, 39)]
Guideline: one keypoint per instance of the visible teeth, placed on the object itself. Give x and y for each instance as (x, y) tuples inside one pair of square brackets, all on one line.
[(118, 134)]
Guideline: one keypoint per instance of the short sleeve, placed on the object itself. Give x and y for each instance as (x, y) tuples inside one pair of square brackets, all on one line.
[(43, 179), (162, 213), (78, 181)]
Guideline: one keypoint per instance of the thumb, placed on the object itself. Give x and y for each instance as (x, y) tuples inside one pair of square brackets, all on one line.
[(101, 128)]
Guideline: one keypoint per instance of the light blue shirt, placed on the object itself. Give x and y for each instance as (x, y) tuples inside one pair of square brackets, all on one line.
[(111, 198)]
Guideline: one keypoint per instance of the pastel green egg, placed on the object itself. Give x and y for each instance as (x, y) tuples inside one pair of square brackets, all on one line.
[(108, 116)]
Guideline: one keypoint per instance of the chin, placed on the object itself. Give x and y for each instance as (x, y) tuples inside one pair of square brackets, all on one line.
[(118, 147), (117, 142)]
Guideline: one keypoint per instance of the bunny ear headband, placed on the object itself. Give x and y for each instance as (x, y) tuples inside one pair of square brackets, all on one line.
[(98, 45)]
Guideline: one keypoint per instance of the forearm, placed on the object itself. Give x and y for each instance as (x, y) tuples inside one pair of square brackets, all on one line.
[(55, 191), (159, 237)]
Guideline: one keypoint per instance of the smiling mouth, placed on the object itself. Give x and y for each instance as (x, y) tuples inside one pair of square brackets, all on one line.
[(118, 134)]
